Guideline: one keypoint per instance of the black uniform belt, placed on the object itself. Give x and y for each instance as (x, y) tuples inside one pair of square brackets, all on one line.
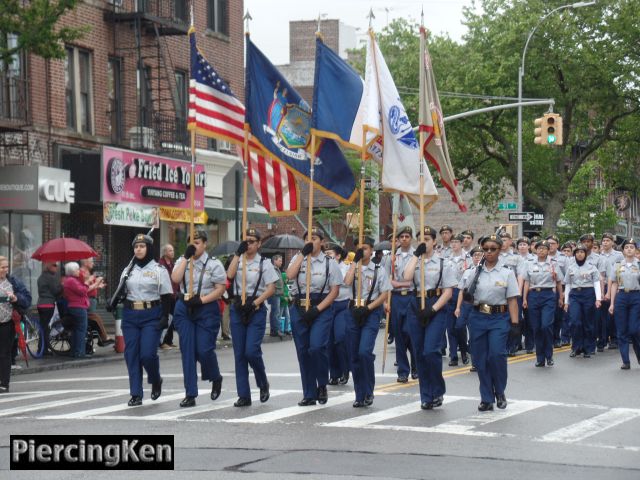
[(627, 290), (434, 292), (484, 308), (403, 293), (541, 289), (580, 289), (141, 305)]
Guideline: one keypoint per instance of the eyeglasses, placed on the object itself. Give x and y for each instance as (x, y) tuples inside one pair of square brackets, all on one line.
[(490, 249)]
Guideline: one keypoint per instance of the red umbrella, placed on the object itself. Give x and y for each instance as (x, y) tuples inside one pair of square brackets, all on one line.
[(63, 250), (22, 344)]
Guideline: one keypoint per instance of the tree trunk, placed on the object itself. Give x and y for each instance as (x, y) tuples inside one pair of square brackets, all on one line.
[(552, 210)]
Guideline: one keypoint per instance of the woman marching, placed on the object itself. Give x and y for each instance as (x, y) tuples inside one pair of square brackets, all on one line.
[(493, 292), (625, 301), (363, 323), (145, 314), (197, 316), (542, 286), (248, 320), (582, 296), (338, 358), (426, 327), (311, 324)]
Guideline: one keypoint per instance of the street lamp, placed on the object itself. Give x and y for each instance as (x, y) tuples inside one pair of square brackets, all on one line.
[(520, 77)]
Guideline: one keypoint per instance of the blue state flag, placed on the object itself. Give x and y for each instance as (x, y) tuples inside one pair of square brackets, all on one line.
[(280, 121), (338, 106)]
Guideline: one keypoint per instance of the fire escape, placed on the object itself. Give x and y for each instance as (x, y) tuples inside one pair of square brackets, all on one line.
[(152, 103)]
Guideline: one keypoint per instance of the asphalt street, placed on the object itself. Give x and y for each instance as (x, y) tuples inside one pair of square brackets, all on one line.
[(579, 419)]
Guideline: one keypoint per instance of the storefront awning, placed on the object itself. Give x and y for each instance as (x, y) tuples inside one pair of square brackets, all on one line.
[(227, 214)]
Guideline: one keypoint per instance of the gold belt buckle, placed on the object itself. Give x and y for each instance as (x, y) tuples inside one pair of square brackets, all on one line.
[(484, 308), (186, 297), (626, 290), (137, 305), (404, 293), (537, 289), (360, 303), (303, 302)]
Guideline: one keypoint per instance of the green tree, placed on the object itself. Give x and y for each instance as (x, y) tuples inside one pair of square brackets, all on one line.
[(587, 59), (35, 24)]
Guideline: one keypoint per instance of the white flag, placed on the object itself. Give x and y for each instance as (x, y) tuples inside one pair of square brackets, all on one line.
[(398, 149)]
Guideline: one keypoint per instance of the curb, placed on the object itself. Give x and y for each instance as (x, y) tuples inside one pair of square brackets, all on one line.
[(66, 363)]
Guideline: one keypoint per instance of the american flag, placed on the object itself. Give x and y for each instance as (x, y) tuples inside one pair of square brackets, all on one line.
[(214, 111)]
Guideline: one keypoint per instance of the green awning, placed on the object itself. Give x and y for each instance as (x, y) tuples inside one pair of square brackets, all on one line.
[(227, 214)]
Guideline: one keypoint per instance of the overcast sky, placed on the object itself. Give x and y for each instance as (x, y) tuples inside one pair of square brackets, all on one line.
[(270, 25)]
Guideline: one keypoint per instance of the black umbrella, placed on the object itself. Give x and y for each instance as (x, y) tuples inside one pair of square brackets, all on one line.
[(225, 248), (284, 241), (384, 245)]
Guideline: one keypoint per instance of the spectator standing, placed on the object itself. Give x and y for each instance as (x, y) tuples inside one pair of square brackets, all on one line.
[(49, 292), (76, 295)]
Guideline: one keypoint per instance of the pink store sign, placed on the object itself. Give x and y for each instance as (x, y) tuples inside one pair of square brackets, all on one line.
[(135, 177)]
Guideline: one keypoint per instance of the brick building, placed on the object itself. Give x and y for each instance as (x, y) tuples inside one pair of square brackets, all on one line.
[(123, 84)]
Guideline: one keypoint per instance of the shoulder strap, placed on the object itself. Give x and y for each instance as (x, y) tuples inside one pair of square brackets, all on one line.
[(440, 276), (255, 290), (202, 276), (326, 276), (373, 284)]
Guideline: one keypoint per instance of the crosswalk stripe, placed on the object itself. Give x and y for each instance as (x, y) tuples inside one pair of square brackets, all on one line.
[(18, 411), (18, 397), (382, 415), (287, 412), (591, 426)]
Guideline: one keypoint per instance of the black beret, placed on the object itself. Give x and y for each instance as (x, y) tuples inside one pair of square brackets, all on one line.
[(554, 238), (630, 241), (468, 232), (458, 236), (523, 240), (586, 236), (253, 232), (608, 235), (314, 231), (491, 238), (544, 244), (428, 232), (580, 247), (142, 238), (444, 228), (405, 229)]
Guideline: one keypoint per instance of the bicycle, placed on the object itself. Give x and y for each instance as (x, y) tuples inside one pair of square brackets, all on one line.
[(33, 336)]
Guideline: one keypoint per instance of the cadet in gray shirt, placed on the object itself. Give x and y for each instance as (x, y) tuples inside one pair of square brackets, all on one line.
[(145, 314), (363, 326), (248, 319), (427, 325), (197, 316), (625, 301)]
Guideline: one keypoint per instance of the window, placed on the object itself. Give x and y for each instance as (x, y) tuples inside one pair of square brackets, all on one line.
[(217, 16), (181, 10), (181, 96), (114, 93), (144, 96), (78, 91), (12, 83)]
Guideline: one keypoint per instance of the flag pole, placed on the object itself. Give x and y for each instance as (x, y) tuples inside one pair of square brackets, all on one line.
[(421, 139), (312, 161), (363, 156), (393, 268), (193, 190), (245, 186)]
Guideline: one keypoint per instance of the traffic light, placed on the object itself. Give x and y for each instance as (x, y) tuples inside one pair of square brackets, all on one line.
[(548, 130)]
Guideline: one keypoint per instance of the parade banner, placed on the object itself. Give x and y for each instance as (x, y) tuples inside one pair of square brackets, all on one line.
[(144, 179), (182, 215), (130, 215)]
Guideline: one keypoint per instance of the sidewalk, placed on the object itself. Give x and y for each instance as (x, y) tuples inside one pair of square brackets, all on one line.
[(106, 354)]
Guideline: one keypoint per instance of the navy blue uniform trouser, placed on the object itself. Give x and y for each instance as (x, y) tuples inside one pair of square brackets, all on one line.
[(542, 310), (338, 357), (311, 347), (457, 336), (247, 341), (401, 306), (141, 337), (198, 335), (489, 334), (427, 342), (582, 311), (361, 341), (626, 313), (514, 343)]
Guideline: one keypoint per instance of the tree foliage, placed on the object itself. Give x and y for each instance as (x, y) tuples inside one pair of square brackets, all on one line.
[(587, 59), (35, 24)]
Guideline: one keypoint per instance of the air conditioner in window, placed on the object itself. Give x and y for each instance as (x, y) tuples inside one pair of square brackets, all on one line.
[(224, 146), (117, 3), (142, 138)]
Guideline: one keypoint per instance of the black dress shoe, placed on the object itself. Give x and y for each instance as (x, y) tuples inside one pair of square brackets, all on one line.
[(540, 364), (437, 402), (426, 405), (529, 352), (305, 402), (600, 349), (613, 346), (414, 374), (333, 381), (402, 379), (358, 404), (586, 355), (242, 402), (156, 390), (550, 362), (322, 395), (465, 359), (485, 407), (443, 352), (135, 401), (501, 401), (390, 340), (106, 343), (343, 380), (264, 393), (453, 363), (473, 368), (216, 388), (573, 353), (368, 400), (625, 366), (188, 402)]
